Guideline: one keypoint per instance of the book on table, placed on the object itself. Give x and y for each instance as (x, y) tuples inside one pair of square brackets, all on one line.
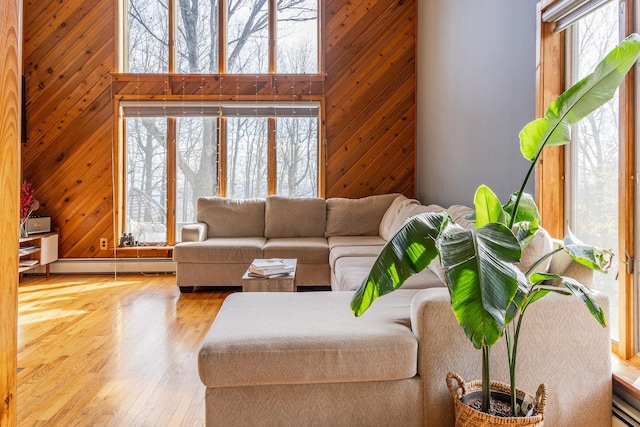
[(268, 268)]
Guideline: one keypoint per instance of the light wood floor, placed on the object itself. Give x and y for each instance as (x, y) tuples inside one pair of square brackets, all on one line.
[(111, 351)]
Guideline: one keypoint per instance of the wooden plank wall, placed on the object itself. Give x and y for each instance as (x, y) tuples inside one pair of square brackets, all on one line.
[(69, 54), (370, 95), (10, 101)]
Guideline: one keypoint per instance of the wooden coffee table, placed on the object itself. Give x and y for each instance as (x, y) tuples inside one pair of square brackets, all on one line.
[(284, 283)]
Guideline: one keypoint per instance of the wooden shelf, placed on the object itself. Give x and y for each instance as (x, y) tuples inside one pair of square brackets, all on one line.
[(37, 250)]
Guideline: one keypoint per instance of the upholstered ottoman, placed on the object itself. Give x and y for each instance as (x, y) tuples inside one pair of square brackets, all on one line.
[(291, 359)]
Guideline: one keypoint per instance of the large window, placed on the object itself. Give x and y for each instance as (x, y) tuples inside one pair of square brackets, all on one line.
[(594, 152), (591, 184), (175, 153), (222, 53), (211, 36)]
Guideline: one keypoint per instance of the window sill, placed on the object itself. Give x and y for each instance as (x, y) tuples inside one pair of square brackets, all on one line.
[(626, 375), (145, 252)]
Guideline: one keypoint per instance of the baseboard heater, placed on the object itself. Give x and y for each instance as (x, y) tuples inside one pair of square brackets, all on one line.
[(624, 414), (111, 265)]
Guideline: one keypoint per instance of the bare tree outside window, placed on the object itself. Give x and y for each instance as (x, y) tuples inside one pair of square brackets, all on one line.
[(197, 50), (247, 167), (148, 36), (146, 191), (196, 158), (595, 152), (297, 155), (297, 37), (248, 37)]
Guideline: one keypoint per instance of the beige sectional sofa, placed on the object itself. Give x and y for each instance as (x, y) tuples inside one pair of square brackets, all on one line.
[(289, 359), (335, 240)]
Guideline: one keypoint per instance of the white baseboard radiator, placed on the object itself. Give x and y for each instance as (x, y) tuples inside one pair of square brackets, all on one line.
[(624, 415)]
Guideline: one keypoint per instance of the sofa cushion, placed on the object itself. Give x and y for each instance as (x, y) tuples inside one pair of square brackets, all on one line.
[(392, 213), (350, 272), (357, 217), (221, 250), (338, 241), (232, 217), (459, 214), (540, 245), (307, 250), (352, 251), (318, 341), (402, 212), (288, 217)]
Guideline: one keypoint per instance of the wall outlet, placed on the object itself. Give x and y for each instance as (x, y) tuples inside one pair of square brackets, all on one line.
[(103, 243)]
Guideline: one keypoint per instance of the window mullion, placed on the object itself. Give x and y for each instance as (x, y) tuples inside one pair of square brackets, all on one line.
[(222, 36), (171, 180), (172, 24), (272, 35), (271, 156), (222, 157)]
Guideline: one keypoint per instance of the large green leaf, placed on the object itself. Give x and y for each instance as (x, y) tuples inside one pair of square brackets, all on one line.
[(527, 209), (580, 100), (481, 277), (585, 295), (587, 255), (487, 207), (408, 252)]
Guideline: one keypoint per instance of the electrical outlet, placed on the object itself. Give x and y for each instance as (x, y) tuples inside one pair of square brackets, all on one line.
[(103, 243)]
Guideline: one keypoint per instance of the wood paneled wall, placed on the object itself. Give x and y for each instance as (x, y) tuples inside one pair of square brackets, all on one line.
[(10, 102), (370, 97), (69, 55)]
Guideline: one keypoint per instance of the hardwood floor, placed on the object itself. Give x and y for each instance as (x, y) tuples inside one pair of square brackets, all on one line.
[(111, 351)]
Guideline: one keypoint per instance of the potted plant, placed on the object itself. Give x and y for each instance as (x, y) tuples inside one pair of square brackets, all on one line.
[(489, 294)]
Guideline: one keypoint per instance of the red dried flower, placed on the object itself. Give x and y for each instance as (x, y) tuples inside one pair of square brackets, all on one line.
[(27, 203)]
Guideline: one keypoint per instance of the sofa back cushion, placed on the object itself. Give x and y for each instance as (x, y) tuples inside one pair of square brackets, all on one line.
[(232, 217), (399, 212), (288, 217), (357, 217)]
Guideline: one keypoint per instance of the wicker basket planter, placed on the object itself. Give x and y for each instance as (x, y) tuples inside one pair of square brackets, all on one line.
[(466, 416)]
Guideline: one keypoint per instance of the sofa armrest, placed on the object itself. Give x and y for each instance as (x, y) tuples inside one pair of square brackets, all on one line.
[(560, 345), (561, 263), (196, 232)]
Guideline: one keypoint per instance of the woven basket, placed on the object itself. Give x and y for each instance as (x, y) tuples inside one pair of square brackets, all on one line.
[(466, 416)]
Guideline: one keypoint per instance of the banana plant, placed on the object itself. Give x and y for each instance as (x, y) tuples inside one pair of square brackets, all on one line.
[(489, 294)]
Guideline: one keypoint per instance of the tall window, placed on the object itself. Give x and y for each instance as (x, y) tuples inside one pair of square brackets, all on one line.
[(159, 197), (594, 152), (177, 150), (259, 36)]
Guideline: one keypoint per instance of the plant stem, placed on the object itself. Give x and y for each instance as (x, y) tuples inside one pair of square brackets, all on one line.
[(524, 184), (486, 385), (509, 336), (512, 360), (537, 263)]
